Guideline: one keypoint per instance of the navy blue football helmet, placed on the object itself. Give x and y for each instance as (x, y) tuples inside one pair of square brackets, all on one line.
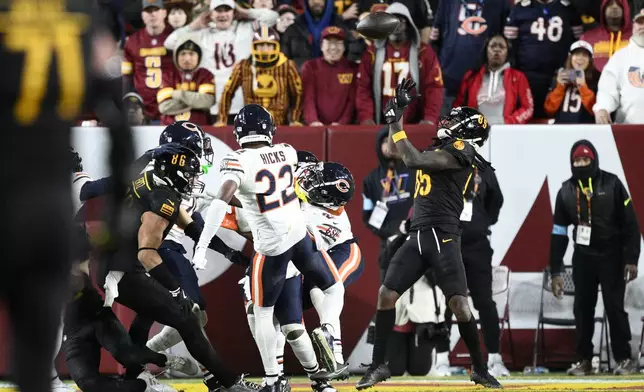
[(327, 184), (253, 124), (179, 170), (189, 135)]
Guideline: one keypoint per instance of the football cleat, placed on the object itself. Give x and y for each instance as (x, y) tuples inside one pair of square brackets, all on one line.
[(185, 365), (373, 376), (152, 384), (322, 386), (483, 377), (323, 340)]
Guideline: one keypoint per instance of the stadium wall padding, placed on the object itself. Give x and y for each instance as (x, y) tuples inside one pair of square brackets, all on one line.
[(531, 161)]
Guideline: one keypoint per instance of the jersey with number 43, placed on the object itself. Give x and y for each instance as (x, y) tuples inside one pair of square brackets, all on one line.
[(266, 190), (539, 29), (439, 195)]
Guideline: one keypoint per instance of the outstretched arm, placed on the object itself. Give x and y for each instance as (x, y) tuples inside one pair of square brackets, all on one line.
[(429, 160)]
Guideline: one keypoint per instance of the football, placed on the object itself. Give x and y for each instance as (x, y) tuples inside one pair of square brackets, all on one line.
[(378, 25)]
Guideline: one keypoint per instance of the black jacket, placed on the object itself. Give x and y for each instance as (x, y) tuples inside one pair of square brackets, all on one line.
[(399, 199), (296, 42), (615, 233), (487, 199)]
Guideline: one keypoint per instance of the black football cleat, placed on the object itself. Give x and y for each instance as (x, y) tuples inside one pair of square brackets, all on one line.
[(322, 386), (484, 378), (373, 376), (323, 340), (281, 385)]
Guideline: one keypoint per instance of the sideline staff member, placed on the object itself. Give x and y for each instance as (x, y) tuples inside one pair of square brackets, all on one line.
[(607, 247)]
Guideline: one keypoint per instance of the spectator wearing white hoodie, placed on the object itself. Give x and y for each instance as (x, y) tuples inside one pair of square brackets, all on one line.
[(621, 85), (226, 35)]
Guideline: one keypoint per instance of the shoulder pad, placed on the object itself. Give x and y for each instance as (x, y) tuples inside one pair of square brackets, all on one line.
[(164, 203), (462, 150), (526, 3), (565, 3)]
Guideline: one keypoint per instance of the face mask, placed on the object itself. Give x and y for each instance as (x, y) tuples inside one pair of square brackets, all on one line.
[(585, 172)]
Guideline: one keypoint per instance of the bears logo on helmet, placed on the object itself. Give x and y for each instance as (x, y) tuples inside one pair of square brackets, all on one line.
[(189, 135), (327, 184)]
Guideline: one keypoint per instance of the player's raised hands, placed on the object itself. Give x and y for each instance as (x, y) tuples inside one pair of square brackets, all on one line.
[(404, 94)]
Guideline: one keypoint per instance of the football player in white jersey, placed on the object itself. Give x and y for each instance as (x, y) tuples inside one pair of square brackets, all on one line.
[(261, 176), (325, 188)]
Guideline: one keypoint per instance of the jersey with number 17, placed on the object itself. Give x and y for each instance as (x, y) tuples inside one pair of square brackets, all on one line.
[(266, 190)]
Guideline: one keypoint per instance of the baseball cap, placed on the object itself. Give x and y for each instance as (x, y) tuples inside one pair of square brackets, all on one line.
[(152, 3), (638, 15), (583, 151), (333, 31), (581, 45), (218, 3)]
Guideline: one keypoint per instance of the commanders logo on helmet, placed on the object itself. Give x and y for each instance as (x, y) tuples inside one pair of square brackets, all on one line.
[(464, 123), (266, 46)]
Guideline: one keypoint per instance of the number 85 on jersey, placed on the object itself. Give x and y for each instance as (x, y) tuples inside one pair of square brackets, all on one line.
[(423, 184)]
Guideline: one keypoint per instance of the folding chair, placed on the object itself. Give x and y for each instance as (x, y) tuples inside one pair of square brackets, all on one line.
[(568, 290), (501, 296)]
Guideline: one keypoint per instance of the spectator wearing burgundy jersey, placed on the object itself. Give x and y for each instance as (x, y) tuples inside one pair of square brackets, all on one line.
[(329, 83), (612, 34), (188, 91), (145, 59), (496, 89), (571, 100), (390, 60)]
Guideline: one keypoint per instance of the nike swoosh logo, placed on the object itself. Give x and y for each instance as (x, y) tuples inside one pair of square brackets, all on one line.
[(170, 202), (446, 240)]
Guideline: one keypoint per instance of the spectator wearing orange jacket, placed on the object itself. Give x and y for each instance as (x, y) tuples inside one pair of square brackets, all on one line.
[(329, 82), (612, 34), (497, 90), (572, 99)]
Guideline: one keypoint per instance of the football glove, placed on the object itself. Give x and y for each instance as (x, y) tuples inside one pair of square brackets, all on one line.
[(404, 96)]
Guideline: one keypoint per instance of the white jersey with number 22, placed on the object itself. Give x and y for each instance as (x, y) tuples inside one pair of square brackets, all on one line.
[(266, 191)]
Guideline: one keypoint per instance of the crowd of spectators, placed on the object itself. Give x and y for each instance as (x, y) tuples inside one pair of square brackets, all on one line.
[(518, 61)]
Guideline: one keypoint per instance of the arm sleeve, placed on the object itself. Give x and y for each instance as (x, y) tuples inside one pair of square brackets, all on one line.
[(309, 93), (576, 24), (494, 197), (631, 235), (364, 93), (92, 189), (587, 97), (263, 16), (127, 68), (511, 31), (439, 22), (559, 236), (295, 91), (526, 103), (231, 168), (233, 83), (608, 95), (349, 108), (171, 42), (554, 99), (198, 100), (432, 86)]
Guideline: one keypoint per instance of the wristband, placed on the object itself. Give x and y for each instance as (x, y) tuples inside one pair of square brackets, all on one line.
[(398, 136), (193, 231), (145, 248)]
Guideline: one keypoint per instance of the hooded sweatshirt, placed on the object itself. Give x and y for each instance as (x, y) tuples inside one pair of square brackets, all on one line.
[(605, 42), (621, 85), (187, 95), (604, 205), (383, 65), (392, 183)]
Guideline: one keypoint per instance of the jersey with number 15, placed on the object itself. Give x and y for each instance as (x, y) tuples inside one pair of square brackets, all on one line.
[(266, 190), (146, 60)]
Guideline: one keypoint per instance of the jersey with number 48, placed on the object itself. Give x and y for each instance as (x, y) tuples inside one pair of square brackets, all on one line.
[(266, 191)]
